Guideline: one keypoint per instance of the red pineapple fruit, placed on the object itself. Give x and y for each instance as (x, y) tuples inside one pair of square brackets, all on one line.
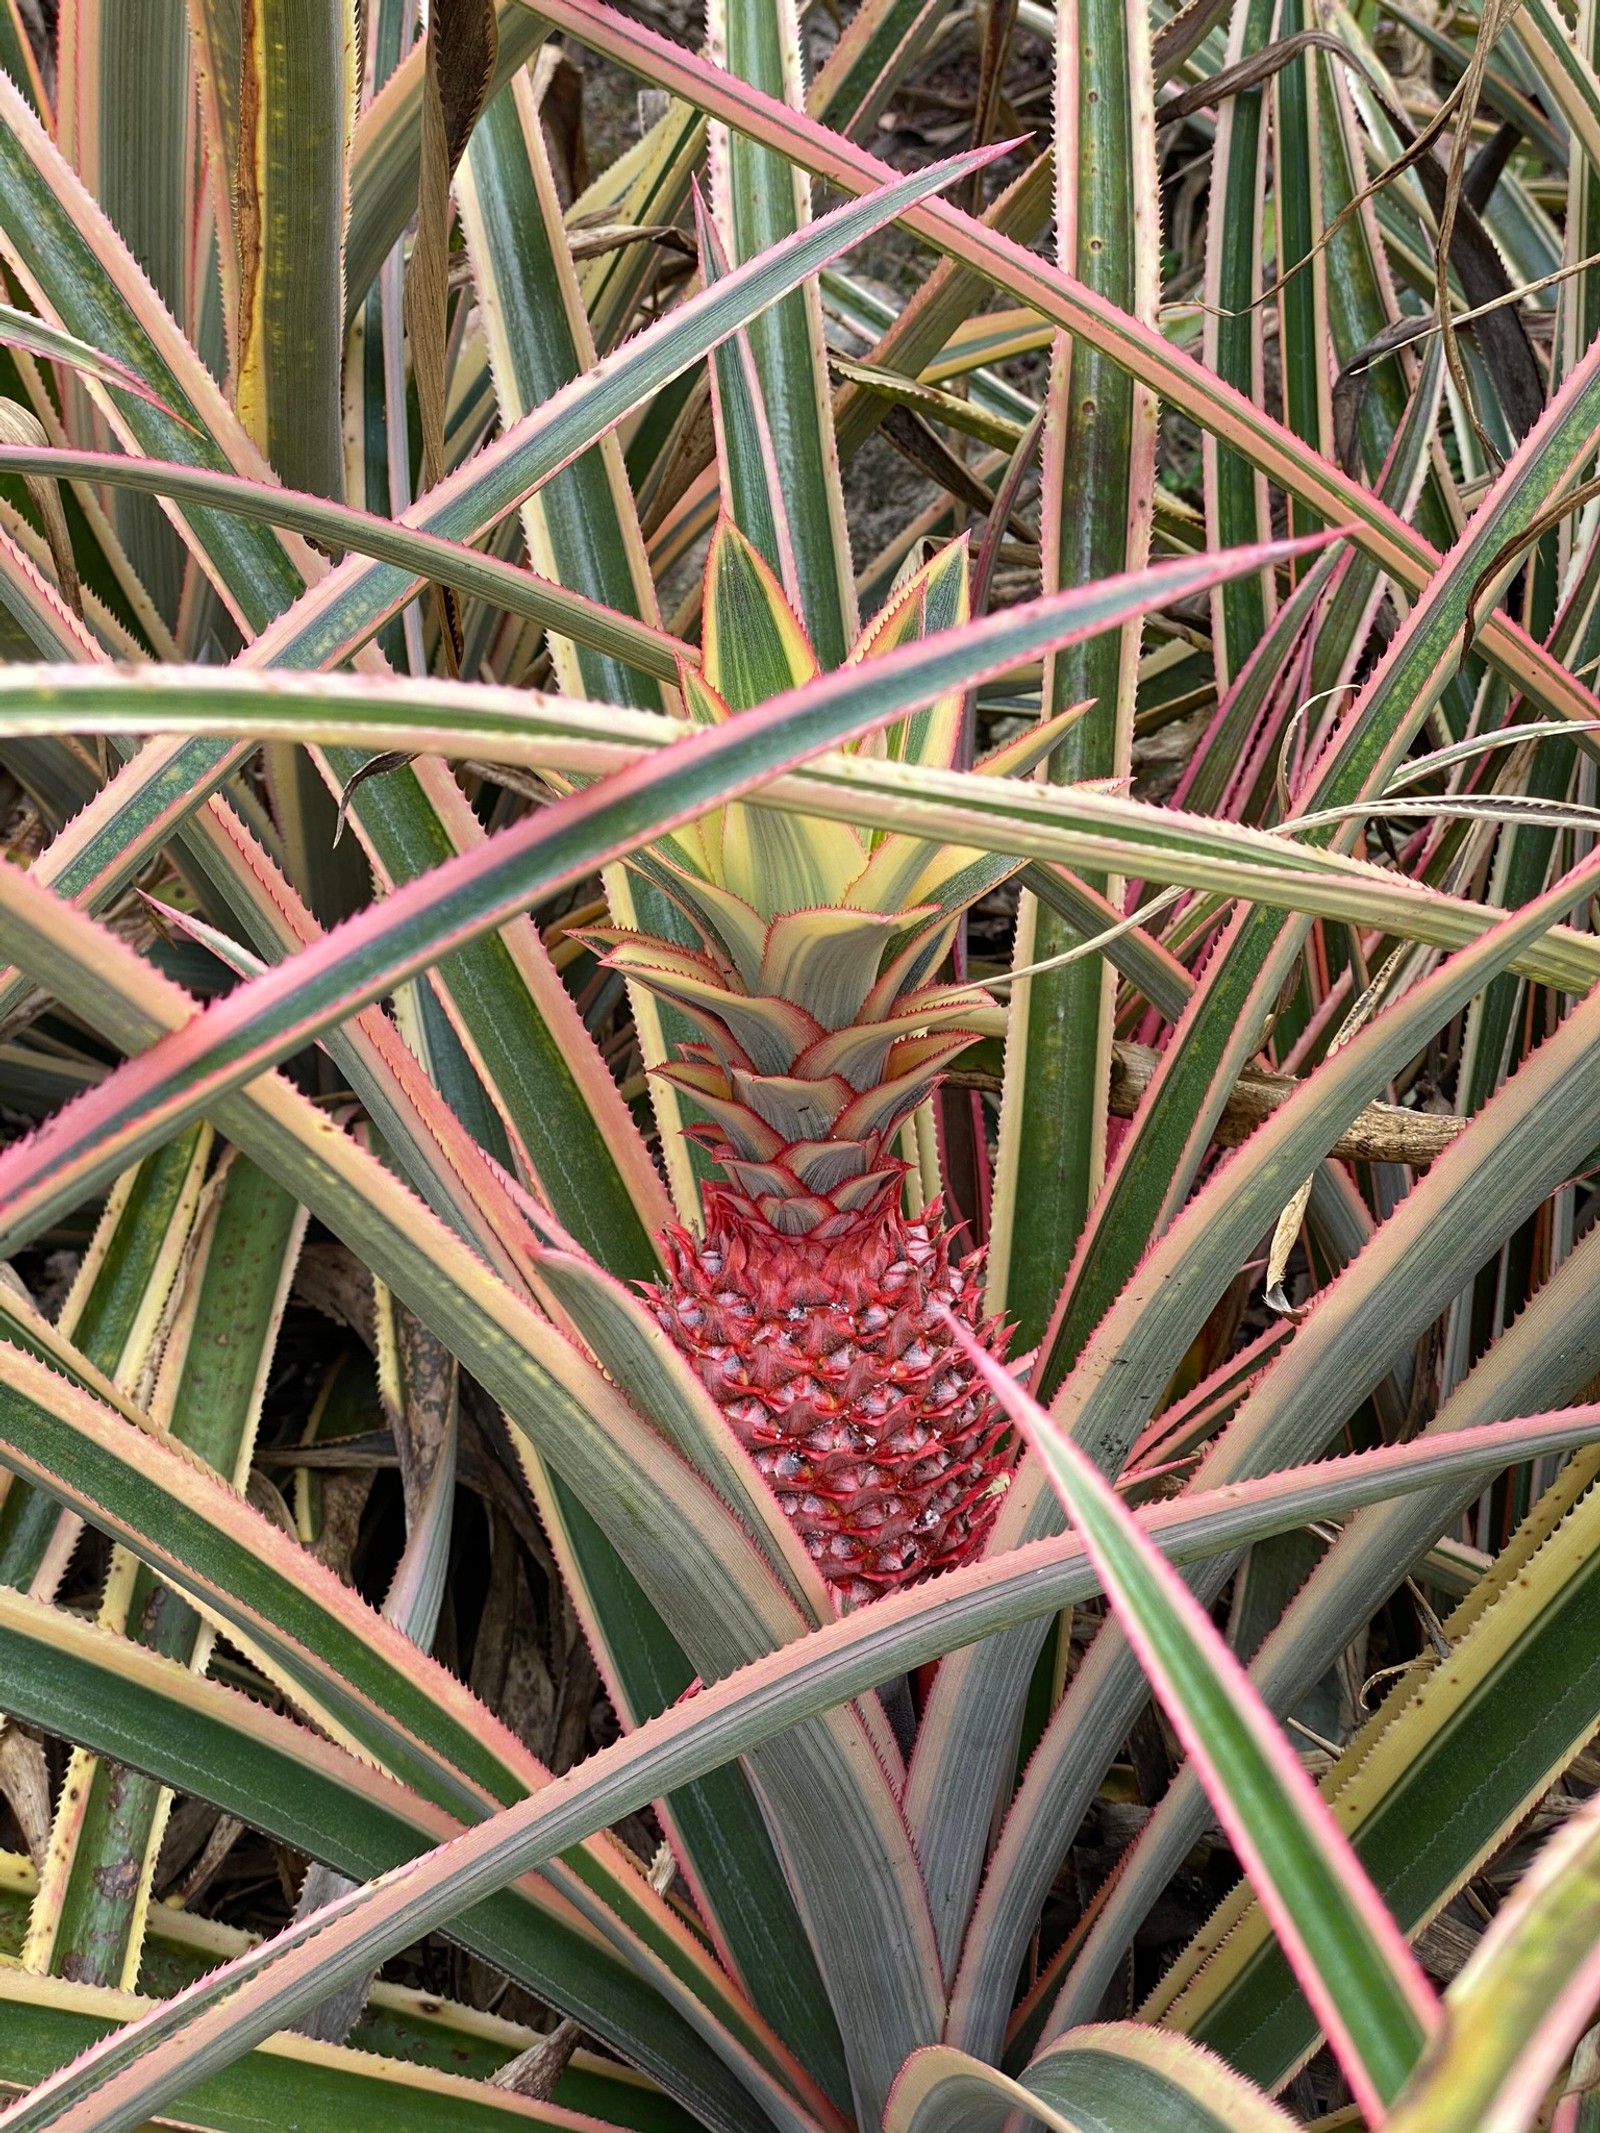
[(815, 1311), (833, 1360)]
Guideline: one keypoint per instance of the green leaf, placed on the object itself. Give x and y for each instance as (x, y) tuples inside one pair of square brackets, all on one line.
[(86, 281), (214, 1744), (127, 1702), (1444, 1774), (1159, 1160), (347, 606), (727, 1718), (476, 893), (1519, 2006), (1347, 1952), (112, 1316), (718, 1825), (1132, 2080), (1097, 510), (1099, 1405), (1176, 376), (581, 525), (1236, 497), (1537, 1362), (20, 329), (317, 2088), (761, 199), (749, 472), (1110, 2078), (387, 150), (577, 523), (540, 1064), (400, 2023), (296, 114), (88, 1917), (1065, 826), (614, 632)]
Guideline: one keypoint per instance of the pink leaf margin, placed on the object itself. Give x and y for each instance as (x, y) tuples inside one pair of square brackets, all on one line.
[(1093, 1505)]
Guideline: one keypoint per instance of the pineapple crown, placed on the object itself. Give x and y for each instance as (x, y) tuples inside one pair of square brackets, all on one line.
[(821, 1023)]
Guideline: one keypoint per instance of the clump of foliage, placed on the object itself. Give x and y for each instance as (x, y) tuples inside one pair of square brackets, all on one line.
[(798, 975)]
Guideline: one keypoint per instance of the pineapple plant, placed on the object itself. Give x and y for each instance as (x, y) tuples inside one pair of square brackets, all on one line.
[(737, 1400), (815, 1306)]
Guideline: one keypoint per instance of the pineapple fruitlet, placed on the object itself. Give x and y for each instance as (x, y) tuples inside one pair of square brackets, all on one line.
[(815, 1309)]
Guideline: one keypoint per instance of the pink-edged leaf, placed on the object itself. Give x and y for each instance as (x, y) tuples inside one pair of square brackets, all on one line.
[(747, 464), (131, 817), (1350, 1958), (338, 614), (386, 151), (505, 585), (466, 897), (39, 609), (695, 1562), (1177, 376), (20, 329), (1545, 1355), (78, 273), (462, 1760), (1121, 2075), (1517, 2009), (131, 2074), (463, 1184), (1133, 1353), (1249, 1188)]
